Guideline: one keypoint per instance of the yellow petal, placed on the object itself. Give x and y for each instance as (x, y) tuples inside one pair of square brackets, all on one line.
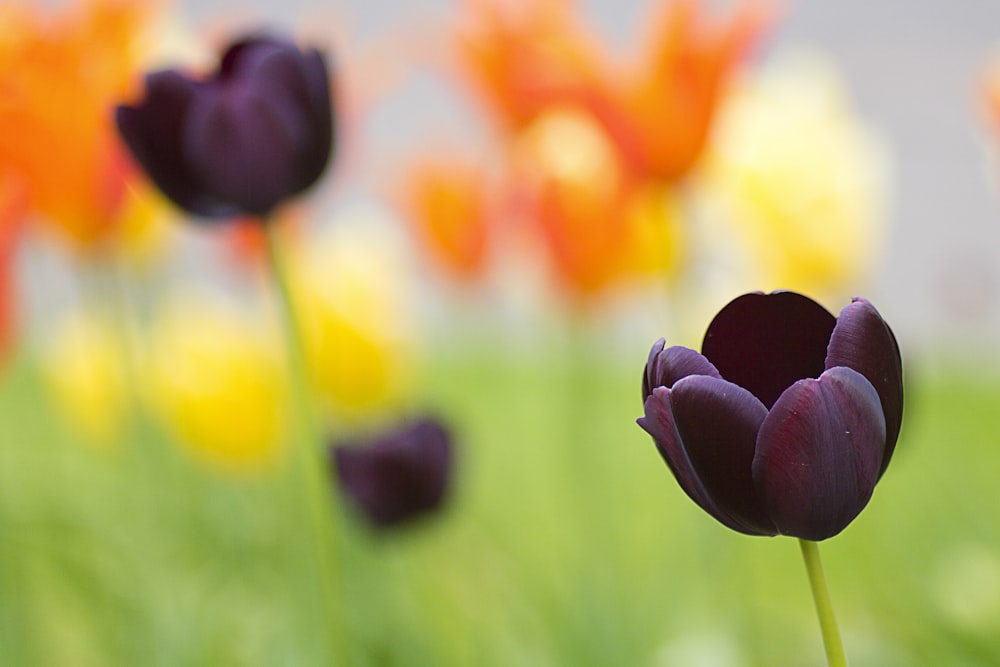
[(802, 178), (84, 369), (350, 286), (216, 379)]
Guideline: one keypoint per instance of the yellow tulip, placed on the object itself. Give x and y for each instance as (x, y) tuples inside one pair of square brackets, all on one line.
[(85, 372), (349, 283), (215, 377), (801, 179)]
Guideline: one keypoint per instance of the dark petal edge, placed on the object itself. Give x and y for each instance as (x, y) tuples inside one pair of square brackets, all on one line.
[(717, 417), (241, 145), (665, 367), (152, 131), (298, 80), (863, 341)]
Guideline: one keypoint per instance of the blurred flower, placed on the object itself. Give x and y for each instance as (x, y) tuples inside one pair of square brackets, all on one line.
[(349, 285), (215, 378), (85, 374), (658, 114), (991, 92), (596, 150), (800, 178), (788, 418), (397, 476), (449, 202), (991, 95), (666, 106), (12, 206), (240, 141), (58, 78), (522, 58), (598, 223)]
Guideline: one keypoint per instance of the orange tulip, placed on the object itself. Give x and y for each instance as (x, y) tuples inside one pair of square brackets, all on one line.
[(659, 114), (596, 148), (667, 105), (571, 181), (521, 60), (449, 204), (59, 79), (598, 223)]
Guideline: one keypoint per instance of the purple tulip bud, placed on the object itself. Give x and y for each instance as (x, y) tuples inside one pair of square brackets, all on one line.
[(256, 132), (786, 420), (397, 476)]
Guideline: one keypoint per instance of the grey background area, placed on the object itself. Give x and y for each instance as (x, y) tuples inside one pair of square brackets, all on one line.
[(914, 68)]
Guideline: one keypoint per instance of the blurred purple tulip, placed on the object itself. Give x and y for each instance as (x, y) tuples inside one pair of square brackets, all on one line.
[(786, 420), (256, 132), (398, 476)]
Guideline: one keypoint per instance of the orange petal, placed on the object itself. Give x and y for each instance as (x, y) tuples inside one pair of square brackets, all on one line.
[(448, 203), (522, 61), (668, 105), (60, 75)]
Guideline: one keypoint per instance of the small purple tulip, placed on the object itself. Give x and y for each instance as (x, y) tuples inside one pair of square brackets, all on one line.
[(398, 476), (786, 420), (239, 142)]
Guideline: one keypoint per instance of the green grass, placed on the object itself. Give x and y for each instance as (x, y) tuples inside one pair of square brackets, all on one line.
[(566, 542)]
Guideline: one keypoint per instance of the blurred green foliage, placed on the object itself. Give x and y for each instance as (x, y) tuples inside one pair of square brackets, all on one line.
[(566, 542)]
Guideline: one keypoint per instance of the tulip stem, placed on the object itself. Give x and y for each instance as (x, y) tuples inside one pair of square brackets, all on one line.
[(824, 609), (310, 462)]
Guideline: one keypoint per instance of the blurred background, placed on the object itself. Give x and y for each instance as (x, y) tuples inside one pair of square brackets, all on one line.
[(913, 73), (524, 197)]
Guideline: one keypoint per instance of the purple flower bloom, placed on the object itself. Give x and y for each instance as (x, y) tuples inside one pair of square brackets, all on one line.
[(254, 133), (786, 420), (397, 476)]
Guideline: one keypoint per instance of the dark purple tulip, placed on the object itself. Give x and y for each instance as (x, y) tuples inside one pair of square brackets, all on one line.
[(786, 420), (397, 476), (242, 140)]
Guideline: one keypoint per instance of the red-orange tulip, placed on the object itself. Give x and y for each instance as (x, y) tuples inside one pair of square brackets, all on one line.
[(449, 203), (663, 110), (522, 60), (60, 76)]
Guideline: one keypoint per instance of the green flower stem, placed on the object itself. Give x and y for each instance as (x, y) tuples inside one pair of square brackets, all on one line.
[(824, 609), (311, 465)]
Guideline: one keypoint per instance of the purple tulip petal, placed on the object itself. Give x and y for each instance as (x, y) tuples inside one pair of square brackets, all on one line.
[(399, 476), (242, 146), (658, 422), (256, 132), (765, 342), (234, 58), (268, 65), (299, 78), (151, 132), (819, 452), (648, 382), (706, 429), (316, 155), (266, 133), (863, 341), (667, 366)]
